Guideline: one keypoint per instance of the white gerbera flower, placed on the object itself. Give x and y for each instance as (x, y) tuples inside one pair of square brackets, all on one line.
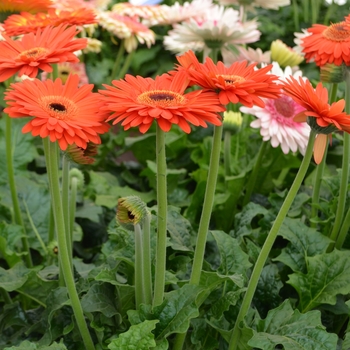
[(275, 120), (220, 27)]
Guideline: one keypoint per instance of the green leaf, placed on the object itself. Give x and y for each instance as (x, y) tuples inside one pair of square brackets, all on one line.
[(27, 345), (327, 276), (267, 295), (100, 298), (243, 220), (138, 337), (233, 259), (304, 242), (295, 331), (180, 230), (14, 278), (22, 149), (10, 237)]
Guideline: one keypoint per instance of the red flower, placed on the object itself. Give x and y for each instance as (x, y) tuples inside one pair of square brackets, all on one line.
[(38, 51), (28, 23), (328, 44), (138, 101), (238, 83), (322, 117), (63, 112)]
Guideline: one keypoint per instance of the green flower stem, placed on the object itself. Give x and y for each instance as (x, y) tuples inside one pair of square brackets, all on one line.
[(159, 281), (72, 205), (52, 169), (254, 173), (37, 234), (51, 233), (227, 153), (117, 61), (345, 171), (147, 260), (315, 9), (126, 65), (138, 267), (317, 187), (13, 189), (343, 231), (296, 15), (265, 251), (207, 206), (52, 215), (320, 168), (66, 208), (336, 235), (204, 220)]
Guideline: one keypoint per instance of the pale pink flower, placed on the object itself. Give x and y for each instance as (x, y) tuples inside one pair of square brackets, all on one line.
[(246, 54), (181, 13), (150, 14), (275, 120), (220, 27), (127, 28)]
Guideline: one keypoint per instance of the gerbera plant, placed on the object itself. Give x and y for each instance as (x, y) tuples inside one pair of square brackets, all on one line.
[(63, 115), (139, 102)]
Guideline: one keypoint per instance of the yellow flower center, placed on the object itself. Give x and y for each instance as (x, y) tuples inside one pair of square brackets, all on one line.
[(32, 54), (161, 98), (337, 32), (58, 107), (231, 79)]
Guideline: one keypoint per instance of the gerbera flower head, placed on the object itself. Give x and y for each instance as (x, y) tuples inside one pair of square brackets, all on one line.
[(26, 22), (138, 102), (218, 27), (80, 155), (183, 12), (32, 6), (284, 54), (63, 112), (328, 44), (38, 51), (275, 120), (322, 117), (127, 28), (238, 83)]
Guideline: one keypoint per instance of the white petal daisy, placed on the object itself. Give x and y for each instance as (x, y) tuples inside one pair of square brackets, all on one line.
[(220, 27)]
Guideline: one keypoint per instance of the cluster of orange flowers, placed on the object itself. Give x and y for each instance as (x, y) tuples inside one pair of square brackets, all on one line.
[(74, 115)]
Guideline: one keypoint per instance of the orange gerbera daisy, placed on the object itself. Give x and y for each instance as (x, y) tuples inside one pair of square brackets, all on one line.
[(32, 6), (38, 51), (63, 112), (322, 117), (26, 22), (138, 101), (238, 83), (328, 44)]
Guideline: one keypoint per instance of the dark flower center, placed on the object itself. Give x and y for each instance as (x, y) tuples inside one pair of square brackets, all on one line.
[(57, 107), (161, 97)]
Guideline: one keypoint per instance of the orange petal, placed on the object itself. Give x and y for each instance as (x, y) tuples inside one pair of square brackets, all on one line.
[(319, 147), (300, 117)]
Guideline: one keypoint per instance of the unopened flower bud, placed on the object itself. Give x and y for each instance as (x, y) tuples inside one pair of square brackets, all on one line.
[(232, 121), (131, 210)]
